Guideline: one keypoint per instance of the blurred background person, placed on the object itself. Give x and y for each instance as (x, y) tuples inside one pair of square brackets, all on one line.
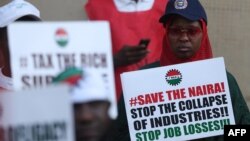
[(16, 10), (130, 22), (91, 100)]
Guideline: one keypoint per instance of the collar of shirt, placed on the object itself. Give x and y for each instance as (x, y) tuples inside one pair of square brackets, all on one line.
[(133, 6)]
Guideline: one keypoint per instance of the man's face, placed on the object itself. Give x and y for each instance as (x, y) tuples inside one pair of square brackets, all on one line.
[(184, 37), (92, 120)]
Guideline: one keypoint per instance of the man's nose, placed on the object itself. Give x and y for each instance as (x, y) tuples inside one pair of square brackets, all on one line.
[(85, 113), (184, 36)]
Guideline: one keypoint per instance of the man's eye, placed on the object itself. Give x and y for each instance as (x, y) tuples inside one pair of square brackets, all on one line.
[(192, 31)]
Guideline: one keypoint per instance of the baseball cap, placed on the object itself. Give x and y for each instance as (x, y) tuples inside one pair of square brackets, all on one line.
[(86, 85), (15, 10), (190, 9)]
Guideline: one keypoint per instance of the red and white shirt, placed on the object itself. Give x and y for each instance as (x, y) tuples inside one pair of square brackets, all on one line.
[(130, 22)]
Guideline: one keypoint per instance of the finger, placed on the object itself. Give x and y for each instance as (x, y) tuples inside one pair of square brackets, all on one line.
[(137, 53), (137, 48), (136, 58)]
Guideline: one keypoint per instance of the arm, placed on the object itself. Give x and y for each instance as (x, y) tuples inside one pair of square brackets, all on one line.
[(240, 108)]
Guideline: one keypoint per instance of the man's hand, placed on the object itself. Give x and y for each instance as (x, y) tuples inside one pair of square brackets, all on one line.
[(129, 55)]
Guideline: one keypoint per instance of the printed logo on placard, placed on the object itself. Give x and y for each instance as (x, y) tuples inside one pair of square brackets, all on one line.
[(173, 77), (61, 37)]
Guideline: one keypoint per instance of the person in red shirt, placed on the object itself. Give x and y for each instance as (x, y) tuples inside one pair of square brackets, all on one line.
[(130, 21)]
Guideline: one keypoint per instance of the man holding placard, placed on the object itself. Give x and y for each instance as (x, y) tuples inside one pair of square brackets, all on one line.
[(186, 40)]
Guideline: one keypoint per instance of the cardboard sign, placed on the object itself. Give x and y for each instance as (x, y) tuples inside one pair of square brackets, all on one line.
[(41, 50), (37, 114), (178, 102)]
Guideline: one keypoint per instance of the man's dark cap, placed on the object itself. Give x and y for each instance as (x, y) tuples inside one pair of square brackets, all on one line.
[(189, 9)]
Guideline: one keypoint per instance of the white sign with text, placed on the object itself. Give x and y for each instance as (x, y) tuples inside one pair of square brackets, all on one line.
[(41, 50), (178, 102), (37, 114)]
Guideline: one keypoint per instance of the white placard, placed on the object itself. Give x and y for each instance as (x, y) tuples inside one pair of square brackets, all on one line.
[(37, 114), (41, 50), (178, 102)]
